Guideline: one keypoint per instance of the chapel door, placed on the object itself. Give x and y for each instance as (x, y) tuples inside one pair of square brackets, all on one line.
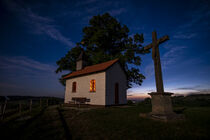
[(116, 93)]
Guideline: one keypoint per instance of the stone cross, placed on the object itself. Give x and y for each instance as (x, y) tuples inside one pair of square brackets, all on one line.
[(156, 58)]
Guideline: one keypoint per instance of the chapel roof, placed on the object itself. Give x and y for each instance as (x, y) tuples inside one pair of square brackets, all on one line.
[(91, 69)]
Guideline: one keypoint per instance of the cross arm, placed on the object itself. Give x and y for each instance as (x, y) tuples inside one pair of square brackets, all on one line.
[(163, 39), (159, 41)]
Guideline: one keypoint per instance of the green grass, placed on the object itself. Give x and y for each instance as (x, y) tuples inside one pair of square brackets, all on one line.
[(125, 123), (114, 123)]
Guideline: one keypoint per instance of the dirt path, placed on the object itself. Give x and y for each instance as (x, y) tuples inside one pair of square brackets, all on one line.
[(45, 124), (65, 126)]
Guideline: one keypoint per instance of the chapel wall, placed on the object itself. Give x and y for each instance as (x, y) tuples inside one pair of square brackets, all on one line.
[(115, 74), (83, 88)]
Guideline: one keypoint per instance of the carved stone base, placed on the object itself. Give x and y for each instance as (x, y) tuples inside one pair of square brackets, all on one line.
[(162, 107), (161, 103)]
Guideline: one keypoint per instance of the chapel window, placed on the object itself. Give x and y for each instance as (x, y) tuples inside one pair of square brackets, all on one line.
[(92, 85), (74, 86)]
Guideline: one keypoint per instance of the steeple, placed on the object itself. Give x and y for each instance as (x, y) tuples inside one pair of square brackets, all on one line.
[(81, 61)]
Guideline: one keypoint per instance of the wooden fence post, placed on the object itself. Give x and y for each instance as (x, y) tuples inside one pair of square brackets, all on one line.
[(20, 107), (0, 109), (30, 105), (4, 109), (47, 102), (40, 103)]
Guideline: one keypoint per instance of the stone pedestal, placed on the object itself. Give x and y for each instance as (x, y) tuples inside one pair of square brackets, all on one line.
[(162, 107), (161, 103)]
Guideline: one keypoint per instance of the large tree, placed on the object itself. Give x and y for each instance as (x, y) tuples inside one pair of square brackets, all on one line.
[(105, 39)]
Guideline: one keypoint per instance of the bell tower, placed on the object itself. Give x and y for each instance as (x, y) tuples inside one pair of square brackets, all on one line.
[(81, 63)]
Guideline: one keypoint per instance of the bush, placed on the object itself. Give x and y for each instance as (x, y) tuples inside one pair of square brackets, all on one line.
[(147, 101), (129, 102)]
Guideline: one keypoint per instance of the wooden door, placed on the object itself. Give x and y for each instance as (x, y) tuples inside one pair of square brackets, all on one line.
[(116, 93)]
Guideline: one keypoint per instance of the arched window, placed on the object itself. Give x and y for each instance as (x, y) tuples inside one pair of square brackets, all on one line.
[(74, 86), (92, 85)]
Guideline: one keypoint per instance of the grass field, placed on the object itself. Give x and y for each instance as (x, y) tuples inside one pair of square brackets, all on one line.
[(56, 122), (125, 123)]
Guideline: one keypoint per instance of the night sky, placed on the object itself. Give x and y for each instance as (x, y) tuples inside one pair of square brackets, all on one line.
[(35, 34)]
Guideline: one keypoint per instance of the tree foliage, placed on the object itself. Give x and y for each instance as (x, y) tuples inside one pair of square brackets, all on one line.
[(105, 39)]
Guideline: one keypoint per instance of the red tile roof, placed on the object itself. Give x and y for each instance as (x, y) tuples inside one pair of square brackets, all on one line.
[(92, 69)]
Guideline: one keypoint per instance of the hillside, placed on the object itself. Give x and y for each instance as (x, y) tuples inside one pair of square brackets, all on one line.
[(63, 122)]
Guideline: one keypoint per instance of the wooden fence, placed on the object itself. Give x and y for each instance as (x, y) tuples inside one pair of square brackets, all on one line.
[(9, 108)]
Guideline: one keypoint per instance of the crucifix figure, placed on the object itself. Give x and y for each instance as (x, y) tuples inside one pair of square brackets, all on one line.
[(156, 58)]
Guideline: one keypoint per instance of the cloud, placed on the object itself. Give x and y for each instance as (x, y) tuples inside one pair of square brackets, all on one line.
[(21, 75), (20, 68), (199, 16), (204, 91), (197, 89), (138, 97), (85, 2), (188, 88), (173, 51), (116, 12), (8, 85), (198, 22), (23, 63), (88, 8), (149, 70), (38, 24), (181, 35), (172, 55)]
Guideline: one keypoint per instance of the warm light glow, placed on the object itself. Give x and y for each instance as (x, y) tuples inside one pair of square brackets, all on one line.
[(137, 97), (92, 85)]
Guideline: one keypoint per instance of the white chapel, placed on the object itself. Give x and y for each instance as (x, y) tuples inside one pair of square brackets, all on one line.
[(101, 84)]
